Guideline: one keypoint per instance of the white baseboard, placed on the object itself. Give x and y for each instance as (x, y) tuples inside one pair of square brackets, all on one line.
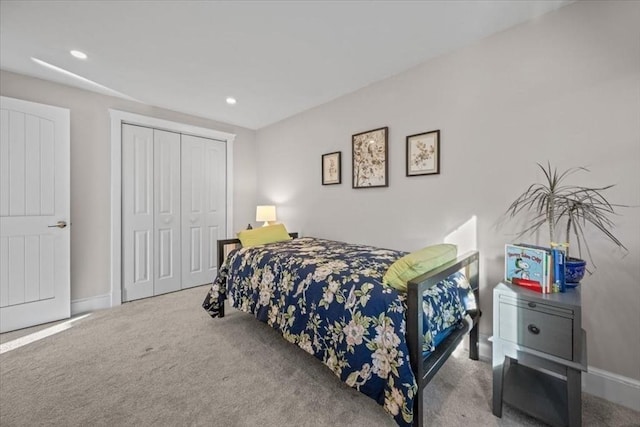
[(85, 305), (612, 387)]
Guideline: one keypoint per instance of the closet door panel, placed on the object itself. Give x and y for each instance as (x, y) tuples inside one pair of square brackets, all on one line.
[(166, 166), (203, 207), (215, 188), (192, 211), (137, 212)]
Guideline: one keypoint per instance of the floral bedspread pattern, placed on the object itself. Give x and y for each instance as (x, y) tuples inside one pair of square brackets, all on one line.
[(328, 298)]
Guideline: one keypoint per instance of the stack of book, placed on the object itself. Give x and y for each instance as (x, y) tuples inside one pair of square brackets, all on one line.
[(535, 267)]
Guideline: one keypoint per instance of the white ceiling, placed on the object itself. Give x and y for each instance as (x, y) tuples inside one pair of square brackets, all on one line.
[(277, 58)]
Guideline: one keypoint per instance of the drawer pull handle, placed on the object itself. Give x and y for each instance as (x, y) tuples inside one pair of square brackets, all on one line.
[(533, 329), (532, 304)]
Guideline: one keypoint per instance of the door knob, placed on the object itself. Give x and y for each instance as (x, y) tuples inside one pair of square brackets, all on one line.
[(60, 224)]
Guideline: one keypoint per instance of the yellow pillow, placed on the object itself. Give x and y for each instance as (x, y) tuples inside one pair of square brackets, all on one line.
[(417, 263), (263, 235)]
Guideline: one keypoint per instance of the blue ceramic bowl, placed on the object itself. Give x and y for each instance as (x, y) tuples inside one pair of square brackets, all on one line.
[(574, 269)]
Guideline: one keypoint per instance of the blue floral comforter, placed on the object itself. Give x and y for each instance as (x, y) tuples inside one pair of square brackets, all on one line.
[(328, 298)]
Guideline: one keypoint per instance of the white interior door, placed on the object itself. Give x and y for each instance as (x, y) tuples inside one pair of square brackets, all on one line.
[(34, 214), (137, 212), (203, 207)]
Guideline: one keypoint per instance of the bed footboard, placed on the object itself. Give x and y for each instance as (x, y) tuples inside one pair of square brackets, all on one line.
[(424, 370)]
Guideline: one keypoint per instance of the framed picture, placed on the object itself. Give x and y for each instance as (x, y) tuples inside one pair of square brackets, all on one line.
[(332, 168), (370, 163), (423, 153)]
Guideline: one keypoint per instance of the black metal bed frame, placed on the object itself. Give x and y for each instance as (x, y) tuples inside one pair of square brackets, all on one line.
[(425, 369)]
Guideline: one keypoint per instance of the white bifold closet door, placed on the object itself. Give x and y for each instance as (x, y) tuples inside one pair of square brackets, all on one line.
[(173, 210), (203, 208)]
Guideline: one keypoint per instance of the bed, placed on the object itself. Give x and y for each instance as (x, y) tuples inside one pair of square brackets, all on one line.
[(328, 298)]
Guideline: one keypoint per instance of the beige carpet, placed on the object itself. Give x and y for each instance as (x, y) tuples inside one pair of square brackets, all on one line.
[(164, 362)]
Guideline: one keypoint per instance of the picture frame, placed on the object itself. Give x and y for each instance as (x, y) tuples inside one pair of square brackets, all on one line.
[(370, 158), (423, 153), (332, 168)]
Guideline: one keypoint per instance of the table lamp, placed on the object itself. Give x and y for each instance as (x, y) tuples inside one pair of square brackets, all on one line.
[(266, 213)]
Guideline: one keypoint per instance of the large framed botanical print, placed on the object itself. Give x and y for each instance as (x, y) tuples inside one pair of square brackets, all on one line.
[(370, 162)]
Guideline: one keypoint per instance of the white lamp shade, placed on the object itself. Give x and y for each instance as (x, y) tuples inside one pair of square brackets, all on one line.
[(266, 213)]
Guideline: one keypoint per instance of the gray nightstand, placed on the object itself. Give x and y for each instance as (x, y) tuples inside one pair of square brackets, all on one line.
[(539, 353)]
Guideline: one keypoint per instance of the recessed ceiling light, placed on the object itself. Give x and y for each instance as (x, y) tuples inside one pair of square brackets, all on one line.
[(231, 101), (78, 54)]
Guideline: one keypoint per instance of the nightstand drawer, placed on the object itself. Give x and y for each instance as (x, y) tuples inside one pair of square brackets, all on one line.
[(539, 327)]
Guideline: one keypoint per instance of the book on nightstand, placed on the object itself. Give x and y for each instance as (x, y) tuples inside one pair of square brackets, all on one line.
[(531, 263), (524, 262), (559, 256), (529, 284), (527, 263)]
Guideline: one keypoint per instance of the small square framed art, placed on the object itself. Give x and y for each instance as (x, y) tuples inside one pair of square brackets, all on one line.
[(332, 168), (423, 153)]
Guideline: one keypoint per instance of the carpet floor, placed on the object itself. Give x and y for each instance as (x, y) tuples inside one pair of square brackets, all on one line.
[(164, 362)]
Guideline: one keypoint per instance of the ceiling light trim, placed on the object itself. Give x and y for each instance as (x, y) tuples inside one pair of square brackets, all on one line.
[(82, 79)]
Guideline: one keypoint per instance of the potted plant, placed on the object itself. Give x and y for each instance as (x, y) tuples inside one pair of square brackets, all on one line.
[(569, 208)]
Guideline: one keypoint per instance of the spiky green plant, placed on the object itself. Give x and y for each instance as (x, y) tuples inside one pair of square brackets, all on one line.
[(555, 203)]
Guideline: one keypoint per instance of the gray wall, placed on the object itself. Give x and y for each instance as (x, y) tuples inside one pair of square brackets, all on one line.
[(563, 88), (91, 171)]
